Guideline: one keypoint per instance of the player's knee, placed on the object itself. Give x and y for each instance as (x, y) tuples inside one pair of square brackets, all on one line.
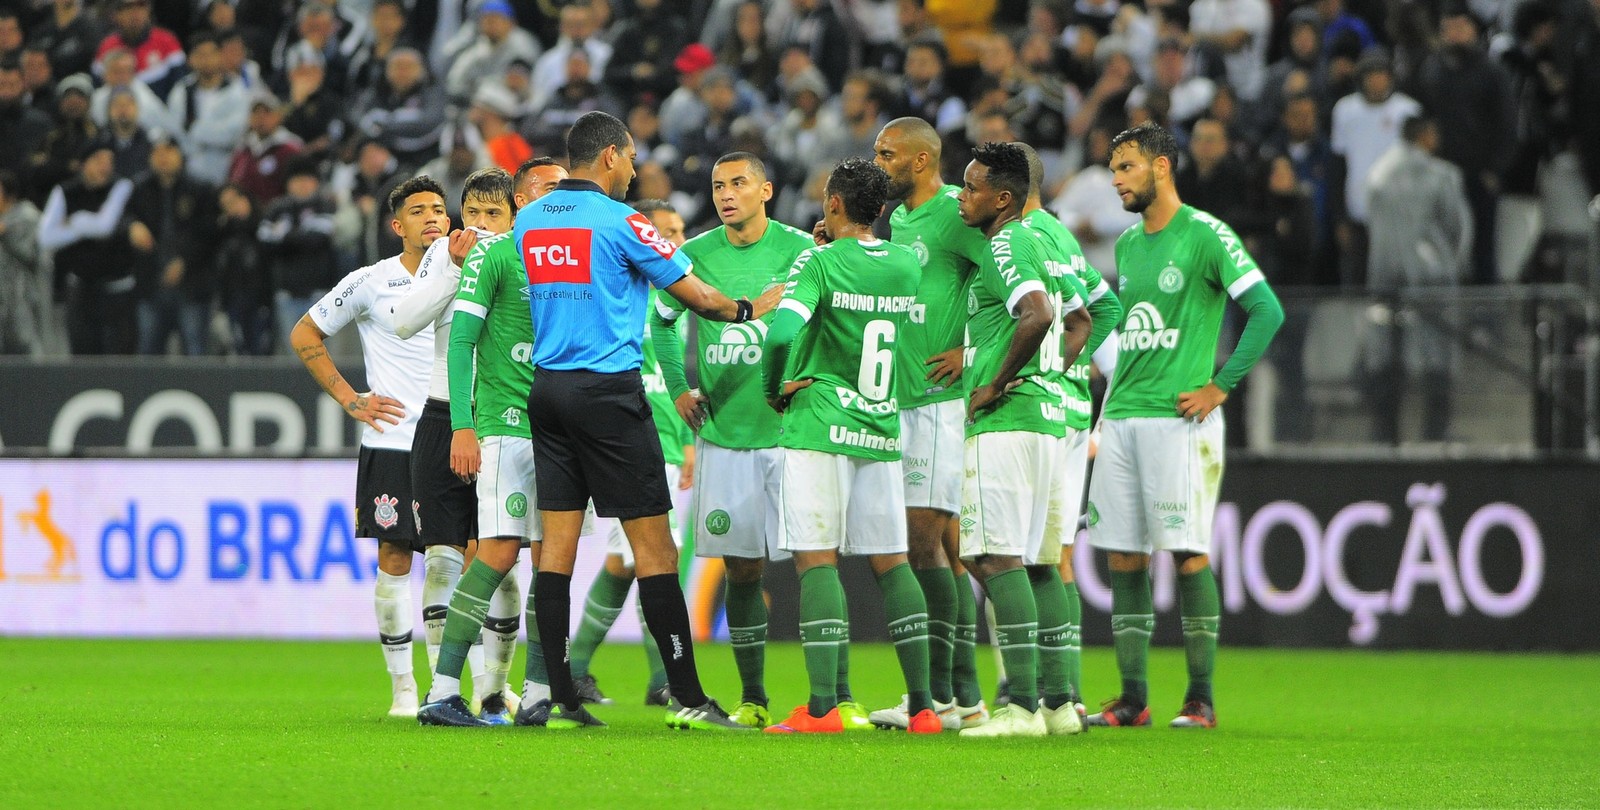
[(617, 568), (394, 559), (442, 564), (743, 570), (1191, 563), (1126, 563)]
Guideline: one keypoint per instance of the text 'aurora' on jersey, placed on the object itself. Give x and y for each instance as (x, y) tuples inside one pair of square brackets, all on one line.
[(739, 344), (1145, 329)]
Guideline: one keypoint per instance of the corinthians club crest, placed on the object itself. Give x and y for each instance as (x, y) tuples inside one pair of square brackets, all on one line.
[(385, 513)]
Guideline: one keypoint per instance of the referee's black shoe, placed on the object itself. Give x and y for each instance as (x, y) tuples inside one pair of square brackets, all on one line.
[(452, 711)]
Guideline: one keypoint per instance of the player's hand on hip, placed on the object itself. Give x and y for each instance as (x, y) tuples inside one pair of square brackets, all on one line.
[(780, 403), (691, 407), (465, 457), (1196, 405), (461, 243), (375, 409), (945, 367), (988, 396)]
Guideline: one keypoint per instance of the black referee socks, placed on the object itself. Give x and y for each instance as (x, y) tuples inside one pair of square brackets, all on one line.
[(668, 619)]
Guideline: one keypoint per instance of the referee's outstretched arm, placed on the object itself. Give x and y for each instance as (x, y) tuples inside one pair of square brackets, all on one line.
[(705, 301)]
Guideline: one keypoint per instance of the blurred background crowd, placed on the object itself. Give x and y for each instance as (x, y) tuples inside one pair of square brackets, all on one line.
[(182, 177)]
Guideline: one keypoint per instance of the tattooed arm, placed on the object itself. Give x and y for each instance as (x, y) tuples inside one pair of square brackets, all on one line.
[(308, 343)]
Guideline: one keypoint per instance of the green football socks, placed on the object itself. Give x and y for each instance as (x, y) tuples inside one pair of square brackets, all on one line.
[(1017, 632), (939, 588), (1133, 619), (1050, 597), (600, 611), (746, 608), (822, 634), (907, 611), (964, 658), (1202, 617)]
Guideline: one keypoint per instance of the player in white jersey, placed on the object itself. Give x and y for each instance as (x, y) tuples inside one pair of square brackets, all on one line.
[(397, 374), (446, 504)]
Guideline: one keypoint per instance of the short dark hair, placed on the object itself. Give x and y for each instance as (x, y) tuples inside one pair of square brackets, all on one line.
[(421, 184), (1414, 126), (934, 45), (653, 206), (1152, 140), (591, 134), (491, 184), (529, 165), (863, 186), (1008, 168), (757, 165)]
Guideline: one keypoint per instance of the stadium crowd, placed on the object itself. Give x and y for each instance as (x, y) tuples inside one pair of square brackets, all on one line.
[(191, 177)]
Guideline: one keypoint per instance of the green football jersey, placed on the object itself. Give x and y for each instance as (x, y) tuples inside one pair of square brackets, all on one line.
[(1175, 284), (1063, 257), (730, 353), (856, 298), (1015, 267), (949, 252), (494, 288), (670, 428)]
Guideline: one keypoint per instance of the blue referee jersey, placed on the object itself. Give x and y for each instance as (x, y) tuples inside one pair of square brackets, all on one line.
[(590, 262)]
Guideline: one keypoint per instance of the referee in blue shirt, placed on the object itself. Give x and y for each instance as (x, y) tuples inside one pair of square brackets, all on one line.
[(590, 262)]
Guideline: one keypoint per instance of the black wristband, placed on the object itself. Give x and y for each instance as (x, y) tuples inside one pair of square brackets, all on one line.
[(744, 310)]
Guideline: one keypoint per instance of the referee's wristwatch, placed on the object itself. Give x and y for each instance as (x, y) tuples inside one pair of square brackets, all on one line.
[(744, 310)]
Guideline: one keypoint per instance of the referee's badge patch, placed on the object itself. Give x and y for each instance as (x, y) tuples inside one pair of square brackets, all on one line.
[(385, 513)]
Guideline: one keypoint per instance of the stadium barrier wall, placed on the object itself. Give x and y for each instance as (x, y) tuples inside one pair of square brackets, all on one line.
[(1491, 556), (197, 548), (1383, 555)]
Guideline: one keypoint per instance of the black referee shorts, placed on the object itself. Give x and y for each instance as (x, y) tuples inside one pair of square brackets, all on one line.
[(447, 507), (594, 438), (383, 497)]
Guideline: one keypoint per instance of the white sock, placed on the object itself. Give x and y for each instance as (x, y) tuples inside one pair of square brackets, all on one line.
[(392, 598), (500, 634), (475, 666), (534, 692), (443, 686), (441, 570)]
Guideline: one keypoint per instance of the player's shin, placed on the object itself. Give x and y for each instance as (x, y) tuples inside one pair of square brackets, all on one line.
[(600, 612), (1133, 619), (392, 600), (964, 658), (1201, 609), (1074, 638), (907, 612), (822, 630), (747, 632), (939, 589), (469, 607), (535, 678), (500, 631), (1016, 632), (441, 569), (1050, 597), (668, 619)]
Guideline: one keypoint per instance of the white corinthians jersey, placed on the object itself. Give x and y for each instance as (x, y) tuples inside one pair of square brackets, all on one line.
[(395, 368)]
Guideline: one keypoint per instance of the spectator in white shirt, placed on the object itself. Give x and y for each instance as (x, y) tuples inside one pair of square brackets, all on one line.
[(1240, 31), (1365, 124), (578, 30)]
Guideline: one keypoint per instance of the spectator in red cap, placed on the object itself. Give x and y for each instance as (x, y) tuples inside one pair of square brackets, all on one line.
[(683, 112)]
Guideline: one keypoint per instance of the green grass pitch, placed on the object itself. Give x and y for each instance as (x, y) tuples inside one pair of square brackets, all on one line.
[(263, 724)]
